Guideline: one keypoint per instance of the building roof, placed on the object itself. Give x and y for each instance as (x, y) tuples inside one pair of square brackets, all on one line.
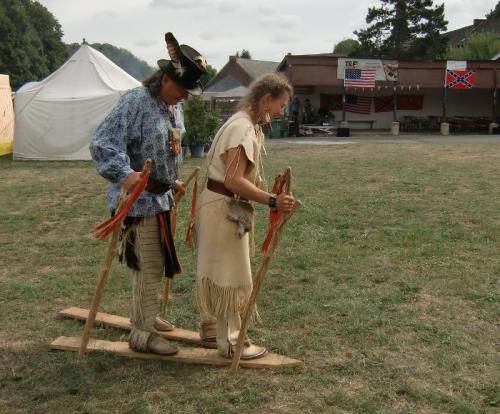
[(225, 83), (458, 36), (239, 72), (256, 68), (310, 57)]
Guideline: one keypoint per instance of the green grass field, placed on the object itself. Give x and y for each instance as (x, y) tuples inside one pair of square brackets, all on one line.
[(386, 285)]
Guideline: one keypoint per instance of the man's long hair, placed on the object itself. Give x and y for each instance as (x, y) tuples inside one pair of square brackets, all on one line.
[(153, 82)]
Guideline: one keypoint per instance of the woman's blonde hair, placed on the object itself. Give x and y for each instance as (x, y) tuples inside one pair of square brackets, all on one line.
[(272, 83)]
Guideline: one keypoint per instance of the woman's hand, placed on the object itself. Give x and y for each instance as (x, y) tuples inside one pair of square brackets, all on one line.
[(285, 202)]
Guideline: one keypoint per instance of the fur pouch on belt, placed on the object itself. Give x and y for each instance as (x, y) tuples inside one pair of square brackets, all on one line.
[(241, 212)]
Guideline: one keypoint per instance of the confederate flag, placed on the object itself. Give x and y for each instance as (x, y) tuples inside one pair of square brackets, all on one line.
[(404, 103), (460, 79), (383, 103)]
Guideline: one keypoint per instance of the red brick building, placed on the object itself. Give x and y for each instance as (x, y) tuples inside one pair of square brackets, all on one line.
[(419, 90)]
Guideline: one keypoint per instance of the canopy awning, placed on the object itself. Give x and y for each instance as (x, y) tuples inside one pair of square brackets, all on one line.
[(234, 93)]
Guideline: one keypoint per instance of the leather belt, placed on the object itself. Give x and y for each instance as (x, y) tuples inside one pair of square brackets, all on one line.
[(157, 187), (220, 188)]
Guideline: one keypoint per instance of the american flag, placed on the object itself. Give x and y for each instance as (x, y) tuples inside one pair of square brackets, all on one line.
[(363, 78), (358, 104)]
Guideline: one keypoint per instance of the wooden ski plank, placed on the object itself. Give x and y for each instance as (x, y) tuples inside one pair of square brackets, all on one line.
[(185, 355), (105, 318), (120, 322)]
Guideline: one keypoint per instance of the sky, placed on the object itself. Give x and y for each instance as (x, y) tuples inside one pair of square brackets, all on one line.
[(219, 28)]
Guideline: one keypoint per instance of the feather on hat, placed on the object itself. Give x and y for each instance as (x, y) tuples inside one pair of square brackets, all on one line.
[(186, 65)]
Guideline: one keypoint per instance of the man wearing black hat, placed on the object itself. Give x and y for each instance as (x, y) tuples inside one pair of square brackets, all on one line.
[(139, 127)]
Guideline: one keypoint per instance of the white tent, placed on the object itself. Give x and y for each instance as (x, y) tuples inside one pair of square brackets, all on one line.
[(56, 117)]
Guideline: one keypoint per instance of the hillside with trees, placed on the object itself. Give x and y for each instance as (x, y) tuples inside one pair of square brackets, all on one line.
[(121, 57), (31, 45)]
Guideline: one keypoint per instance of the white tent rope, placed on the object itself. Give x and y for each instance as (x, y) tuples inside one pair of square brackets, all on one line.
[(20, 112)]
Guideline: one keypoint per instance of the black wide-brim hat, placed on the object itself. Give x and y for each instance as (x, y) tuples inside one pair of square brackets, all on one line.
[(185, 67)]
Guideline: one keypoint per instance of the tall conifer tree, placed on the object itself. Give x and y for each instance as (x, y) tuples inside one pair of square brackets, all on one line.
[(404, 29)]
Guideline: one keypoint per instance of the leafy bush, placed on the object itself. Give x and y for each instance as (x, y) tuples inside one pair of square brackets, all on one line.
[(481, 46), (201, 125)]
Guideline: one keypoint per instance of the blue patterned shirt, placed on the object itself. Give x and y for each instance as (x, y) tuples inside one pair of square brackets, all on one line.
[(136, 129)]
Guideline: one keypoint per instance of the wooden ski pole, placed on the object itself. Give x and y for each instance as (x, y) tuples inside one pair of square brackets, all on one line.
[(177, 197), (103, 277), (260, 275)]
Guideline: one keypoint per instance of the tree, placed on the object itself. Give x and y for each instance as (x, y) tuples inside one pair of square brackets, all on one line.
[(495, 13), (347, 47), (481, 46), (207, 77), (245, 54), (30, 45), (134, 66), (50, 34), (404, 29)]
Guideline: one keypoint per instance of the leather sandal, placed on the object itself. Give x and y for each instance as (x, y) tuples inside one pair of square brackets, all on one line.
[(158, 345), (250, 351)]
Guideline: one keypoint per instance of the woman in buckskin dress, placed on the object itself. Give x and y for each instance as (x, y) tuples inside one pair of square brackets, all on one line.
[(224, 221)]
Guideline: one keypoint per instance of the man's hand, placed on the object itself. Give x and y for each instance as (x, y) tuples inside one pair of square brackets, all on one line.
[(131, 181)]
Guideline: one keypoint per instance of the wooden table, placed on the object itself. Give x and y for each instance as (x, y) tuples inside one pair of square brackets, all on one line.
[(327, 129)]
